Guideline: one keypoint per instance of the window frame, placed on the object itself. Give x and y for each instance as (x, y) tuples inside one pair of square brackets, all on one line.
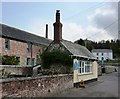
[(7, 43), (85, 67), (97, 53), (28, 61), (29, 47), (102, 58), (18, 59), (102, 54), (33, 61)]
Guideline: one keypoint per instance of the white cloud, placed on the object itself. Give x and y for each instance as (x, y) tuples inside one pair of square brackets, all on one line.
[(73, 31), (97, 34), (38, 26), (106, 18), (70, 31), (58, 1)]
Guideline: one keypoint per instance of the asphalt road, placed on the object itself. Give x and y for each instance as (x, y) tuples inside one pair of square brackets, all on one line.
[(106, 86)]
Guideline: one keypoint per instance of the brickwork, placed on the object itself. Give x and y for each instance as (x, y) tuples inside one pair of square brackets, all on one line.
[(36, 87), (57, 29), (19, 49)]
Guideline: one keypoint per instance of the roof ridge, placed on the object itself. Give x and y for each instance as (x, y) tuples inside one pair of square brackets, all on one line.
[(21, 35), (74, 43), (27, 32)]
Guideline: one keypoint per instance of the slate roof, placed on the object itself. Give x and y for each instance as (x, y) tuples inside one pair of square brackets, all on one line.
[(102, 50), (20, 35), (17, 34), (77, 50)]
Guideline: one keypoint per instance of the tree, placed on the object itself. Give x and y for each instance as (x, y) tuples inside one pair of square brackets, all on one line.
[(113, 44), (81, 42), (56, 60)]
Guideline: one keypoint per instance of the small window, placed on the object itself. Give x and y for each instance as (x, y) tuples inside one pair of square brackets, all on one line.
[(97, 57), (102, 58), (18, 60), (28, 61), (7, 43), (29, 47), (33, 61), (102, 54), (97, 53)]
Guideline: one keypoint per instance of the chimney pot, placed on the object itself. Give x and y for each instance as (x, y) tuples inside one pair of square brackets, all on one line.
[(58, 11), (46, 31)]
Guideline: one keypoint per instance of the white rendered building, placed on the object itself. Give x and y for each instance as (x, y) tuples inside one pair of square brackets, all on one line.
[(103, 54)]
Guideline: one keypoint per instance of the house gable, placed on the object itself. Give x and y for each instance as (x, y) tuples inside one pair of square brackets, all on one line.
[(60, 46)]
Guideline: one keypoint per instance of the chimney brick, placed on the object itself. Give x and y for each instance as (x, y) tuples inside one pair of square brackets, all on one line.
[(57, 28)]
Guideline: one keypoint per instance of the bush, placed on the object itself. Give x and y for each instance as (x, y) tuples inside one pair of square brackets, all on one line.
[(56, 58), (9, 60)]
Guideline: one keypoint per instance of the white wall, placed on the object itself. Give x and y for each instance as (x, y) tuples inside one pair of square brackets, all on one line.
[(106, 55), (78, 77), (90, 76)]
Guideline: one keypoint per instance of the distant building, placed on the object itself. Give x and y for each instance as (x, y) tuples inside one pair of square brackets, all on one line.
[(103, 54), (25, 46)]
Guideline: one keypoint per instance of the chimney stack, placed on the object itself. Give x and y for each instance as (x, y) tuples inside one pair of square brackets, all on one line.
[(57, 28), (46, 31)]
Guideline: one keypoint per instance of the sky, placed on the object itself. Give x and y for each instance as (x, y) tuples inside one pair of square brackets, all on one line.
[(95, 21)]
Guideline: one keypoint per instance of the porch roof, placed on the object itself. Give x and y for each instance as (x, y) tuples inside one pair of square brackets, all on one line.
[(77, 50)]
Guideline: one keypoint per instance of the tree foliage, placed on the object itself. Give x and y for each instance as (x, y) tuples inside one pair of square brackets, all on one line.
[(55, 57), (112, 44), (9, 60)]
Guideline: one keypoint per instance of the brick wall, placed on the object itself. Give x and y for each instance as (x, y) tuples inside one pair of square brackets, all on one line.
[(19, 49), (35, 87)]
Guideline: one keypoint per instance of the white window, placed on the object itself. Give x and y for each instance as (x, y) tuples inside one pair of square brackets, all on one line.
[(85, 67)]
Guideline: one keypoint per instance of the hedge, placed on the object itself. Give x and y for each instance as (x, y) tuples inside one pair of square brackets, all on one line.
[(55, 57)]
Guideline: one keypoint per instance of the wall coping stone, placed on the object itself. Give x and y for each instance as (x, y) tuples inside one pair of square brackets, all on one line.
[(31, 78), (15, 66)]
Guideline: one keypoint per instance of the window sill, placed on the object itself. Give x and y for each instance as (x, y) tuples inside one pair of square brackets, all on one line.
[(85, 73)]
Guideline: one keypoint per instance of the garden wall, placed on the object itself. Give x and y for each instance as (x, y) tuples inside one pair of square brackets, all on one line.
[(17, 70), (35, 86)]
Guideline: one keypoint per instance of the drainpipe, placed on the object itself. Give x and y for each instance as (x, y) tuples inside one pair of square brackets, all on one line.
[(31, 54)]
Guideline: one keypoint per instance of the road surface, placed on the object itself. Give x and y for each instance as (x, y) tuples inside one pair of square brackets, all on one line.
[(106, 86)]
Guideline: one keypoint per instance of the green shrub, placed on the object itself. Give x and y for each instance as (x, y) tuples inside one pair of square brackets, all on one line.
[(9, 60), (56, 57)]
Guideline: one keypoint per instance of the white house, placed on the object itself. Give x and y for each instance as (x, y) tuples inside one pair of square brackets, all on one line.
[(103, 54)]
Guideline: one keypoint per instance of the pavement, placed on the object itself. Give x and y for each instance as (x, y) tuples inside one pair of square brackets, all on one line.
[(106, 86)]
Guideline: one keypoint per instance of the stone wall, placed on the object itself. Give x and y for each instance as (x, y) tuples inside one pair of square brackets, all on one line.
[(17, 70), (36, 87), (99, 71), (109, 69)]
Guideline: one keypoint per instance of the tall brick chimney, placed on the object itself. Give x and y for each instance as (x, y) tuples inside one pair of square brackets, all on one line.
[(57, 28)]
